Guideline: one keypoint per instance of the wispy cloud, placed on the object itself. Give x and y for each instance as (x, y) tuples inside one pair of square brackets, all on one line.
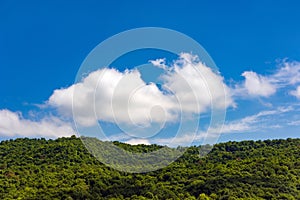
[(294, 123), (287, 74), (254, 122), (261, 120)]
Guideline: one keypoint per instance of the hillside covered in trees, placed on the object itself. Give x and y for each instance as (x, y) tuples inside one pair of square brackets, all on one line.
[(63, 169)]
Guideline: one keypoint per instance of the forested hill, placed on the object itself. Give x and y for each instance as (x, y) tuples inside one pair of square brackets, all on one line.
[(63, 169)]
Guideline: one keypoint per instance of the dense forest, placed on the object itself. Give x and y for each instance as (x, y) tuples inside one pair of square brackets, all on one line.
[(63, 169)]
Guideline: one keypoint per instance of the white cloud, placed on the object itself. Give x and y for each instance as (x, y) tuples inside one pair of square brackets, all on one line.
[(160, 63), (196, 86), (296, 92), (259, 121), (136, 141), (123, 97), (294, 123), (257, 85), (110, 95), (182, 140), (288, 73), (13, 124), (254, 122)]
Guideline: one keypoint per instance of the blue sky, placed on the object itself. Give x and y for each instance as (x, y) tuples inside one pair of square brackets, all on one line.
[(43, 43)]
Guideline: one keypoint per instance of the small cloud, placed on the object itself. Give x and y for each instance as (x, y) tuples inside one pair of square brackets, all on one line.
[(160, 63), (136, 141), (257, 85), (296, 92), (288, 73)]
